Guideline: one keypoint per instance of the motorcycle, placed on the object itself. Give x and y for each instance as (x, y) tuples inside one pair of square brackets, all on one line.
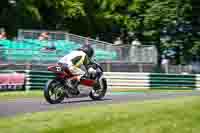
[(93, 84)]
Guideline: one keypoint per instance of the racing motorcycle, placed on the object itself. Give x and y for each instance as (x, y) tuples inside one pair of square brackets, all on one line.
[(93, 84)]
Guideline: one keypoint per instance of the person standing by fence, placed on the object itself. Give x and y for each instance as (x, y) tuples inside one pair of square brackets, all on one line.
[(3, 35), (46, 37)]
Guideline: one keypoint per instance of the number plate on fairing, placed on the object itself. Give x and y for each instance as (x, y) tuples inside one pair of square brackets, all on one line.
[(58, 69)]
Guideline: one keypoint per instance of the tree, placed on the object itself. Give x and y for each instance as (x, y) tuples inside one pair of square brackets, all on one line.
[(164, 23), (170, 19), (195, 51), (46, 14)]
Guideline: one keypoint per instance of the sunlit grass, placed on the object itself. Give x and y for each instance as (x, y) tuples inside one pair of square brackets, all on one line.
[(21, 94), (179, 115)]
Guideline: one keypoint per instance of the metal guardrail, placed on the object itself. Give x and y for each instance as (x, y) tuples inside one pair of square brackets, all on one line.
[(24, 56), (135, 54), (38, 64)]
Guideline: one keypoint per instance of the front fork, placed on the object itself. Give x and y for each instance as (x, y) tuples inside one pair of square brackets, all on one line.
[(99, 83)]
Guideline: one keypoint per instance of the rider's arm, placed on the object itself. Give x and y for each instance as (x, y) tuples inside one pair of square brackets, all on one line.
[(87, 62), (78, 61)]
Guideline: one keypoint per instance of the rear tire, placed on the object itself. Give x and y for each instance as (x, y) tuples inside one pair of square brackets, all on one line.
[(102, 93), (54, 87)]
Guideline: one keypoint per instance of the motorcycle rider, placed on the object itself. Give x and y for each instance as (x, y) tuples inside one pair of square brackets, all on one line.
[(76, 62)]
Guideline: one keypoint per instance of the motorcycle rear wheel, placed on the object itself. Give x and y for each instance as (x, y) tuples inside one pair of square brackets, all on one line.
[(54, 92)]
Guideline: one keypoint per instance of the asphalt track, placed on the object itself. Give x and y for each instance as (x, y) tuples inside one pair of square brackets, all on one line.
[(28, 105)]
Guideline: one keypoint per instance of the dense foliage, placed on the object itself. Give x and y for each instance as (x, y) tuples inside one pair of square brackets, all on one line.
[(168, 24)]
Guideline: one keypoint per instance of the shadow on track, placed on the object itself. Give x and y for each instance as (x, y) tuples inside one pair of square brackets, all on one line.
[(86, 101), (78, 101)]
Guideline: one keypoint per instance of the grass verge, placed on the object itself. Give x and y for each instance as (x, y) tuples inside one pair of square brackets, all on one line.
[(179, 115), (20, 94)]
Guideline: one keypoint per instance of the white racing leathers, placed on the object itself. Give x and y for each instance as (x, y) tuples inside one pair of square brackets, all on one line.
[(76, 60)]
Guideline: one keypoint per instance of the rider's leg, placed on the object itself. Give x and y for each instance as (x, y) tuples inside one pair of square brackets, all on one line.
[(75, 80), (72, 82), (77, 72)]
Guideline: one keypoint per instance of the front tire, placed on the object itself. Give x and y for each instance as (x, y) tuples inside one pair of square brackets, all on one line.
[(99, 93), (54, 92)]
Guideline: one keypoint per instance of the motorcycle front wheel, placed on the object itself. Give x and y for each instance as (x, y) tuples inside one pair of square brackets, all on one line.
[(99, 93), (54, 92)]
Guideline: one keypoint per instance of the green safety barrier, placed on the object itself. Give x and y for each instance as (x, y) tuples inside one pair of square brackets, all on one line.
[(37, 80), (156, 81), (172, 81)]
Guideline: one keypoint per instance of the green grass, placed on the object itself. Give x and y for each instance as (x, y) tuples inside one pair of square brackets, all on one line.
[(20, 94), (179, 115)]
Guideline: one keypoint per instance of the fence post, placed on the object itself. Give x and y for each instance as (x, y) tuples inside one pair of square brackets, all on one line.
[(180, 68), (108, 67), (167, 68), (27, 83), (140, 67), (66, 36), (197, 82)]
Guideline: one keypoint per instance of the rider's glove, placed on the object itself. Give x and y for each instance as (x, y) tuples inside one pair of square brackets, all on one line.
[(92, 70)]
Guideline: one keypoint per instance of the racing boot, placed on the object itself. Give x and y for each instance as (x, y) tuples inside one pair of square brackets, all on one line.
[(74, 87)]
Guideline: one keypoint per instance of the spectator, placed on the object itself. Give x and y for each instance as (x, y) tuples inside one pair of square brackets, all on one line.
[(165, 64), (45, 36), (136, 42), (118, 41), (97, 38), (3, 35)]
